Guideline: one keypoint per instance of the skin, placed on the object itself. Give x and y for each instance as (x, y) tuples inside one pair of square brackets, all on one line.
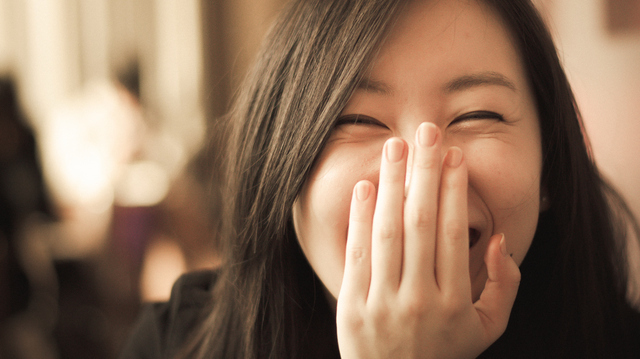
[(448, 139)]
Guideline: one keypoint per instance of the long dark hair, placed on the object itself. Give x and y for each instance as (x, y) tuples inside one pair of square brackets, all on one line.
[(305, 74), (266, 304)]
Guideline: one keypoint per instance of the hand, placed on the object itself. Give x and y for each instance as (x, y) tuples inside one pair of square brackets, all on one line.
[(406, 290)]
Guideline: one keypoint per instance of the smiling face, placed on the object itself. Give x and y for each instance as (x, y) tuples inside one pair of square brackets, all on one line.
[(451, 63)]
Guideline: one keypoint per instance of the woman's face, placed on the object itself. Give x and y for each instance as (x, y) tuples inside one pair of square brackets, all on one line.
[(454, 64)]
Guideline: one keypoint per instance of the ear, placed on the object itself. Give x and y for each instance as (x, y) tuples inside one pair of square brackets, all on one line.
[(545, 200)]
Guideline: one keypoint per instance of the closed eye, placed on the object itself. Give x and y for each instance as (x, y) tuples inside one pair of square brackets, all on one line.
[(357, 119), (478, 115)]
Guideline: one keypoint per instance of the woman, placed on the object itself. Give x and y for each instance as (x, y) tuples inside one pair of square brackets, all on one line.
[(342, 214)]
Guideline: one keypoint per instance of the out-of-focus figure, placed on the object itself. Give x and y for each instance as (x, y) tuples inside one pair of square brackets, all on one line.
[(28, 284)]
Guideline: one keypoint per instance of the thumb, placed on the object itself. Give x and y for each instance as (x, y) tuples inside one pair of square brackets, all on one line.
[(496, 300)]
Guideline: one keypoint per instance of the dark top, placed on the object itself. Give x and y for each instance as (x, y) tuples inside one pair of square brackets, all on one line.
[(162, 327)]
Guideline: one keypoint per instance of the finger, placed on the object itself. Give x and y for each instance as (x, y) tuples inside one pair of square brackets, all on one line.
[(357, 266), (421, 209), (386, 239), (500, 290), (452, 244)]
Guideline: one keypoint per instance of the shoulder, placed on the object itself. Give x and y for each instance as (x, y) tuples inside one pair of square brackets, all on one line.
[(162, 327)]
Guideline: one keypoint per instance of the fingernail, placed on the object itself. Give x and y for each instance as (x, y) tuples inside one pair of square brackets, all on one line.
[(503, 246), (362, 191), (394, 150), (426, 134), (454, 157)]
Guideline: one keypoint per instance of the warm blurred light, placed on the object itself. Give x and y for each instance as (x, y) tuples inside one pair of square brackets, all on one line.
[(81, 170), (163, 263), (83, 145), (142, 184)]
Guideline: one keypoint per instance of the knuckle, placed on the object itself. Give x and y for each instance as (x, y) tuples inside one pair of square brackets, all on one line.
[(452, 183), (388, 232), (379, 313), (453, 230), (420, 218), (351, 319), (358, 216), (428, 162), (415, 306), (453, 306), (360, 213), (392, 176), (356, 254)]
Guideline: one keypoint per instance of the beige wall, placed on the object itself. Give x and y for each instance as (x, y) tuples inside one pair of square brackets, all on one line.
[(604, 70)]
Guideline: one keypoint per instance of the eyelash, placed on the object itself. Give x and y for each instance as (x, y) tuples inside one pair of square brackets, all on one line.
[(366, 120), (358, 120), (478, 115)]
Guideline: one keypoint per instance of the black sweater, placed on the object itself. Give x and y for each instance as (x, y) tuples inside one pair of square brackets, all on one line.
[(162, 327)]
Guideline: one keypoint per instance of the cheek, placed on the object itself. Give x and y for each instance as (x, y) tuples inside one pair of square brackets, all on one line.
[(507, 180), (321, 212)]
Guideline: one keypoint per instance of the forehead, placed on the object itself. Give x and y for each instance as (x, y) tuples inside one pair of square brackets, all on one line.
[(440, 40)]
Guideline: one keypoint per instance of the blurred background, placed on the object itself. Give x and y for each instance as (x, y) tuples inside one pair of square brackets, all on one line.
[(108, 157)]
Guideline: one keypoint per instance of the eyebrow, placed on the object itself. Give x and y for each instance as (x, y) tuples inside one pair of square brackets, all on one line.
[(488, 78), (374, 86)]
